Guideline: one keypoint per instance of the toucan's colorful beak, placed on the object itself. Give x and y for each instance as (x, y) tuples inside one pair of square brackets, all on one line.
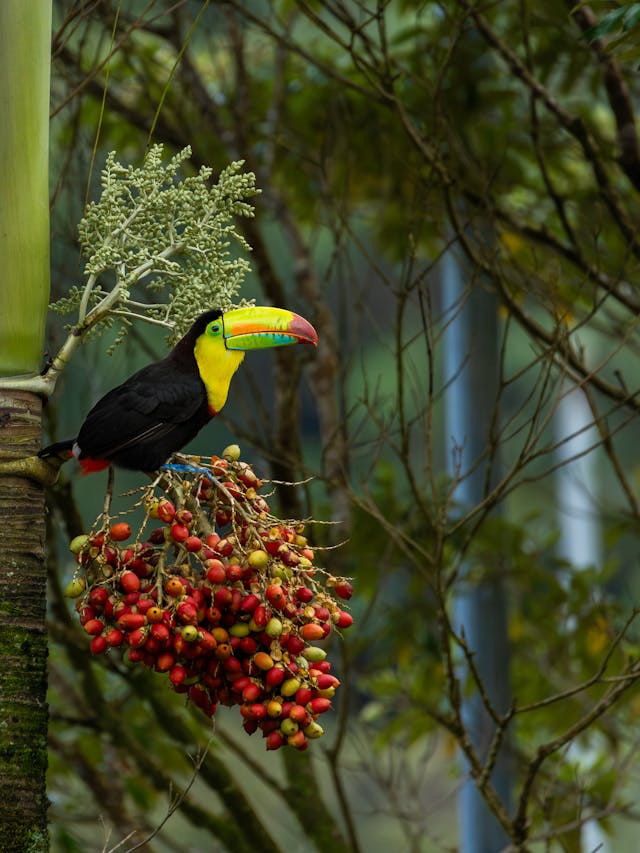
[(261, 327)]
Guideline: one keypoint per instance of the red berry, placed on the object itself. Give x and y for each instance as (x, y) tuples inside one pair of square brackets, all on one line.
[(114, 637), (257, 711), (343, 619), (151, 645), (304, 594), (187, 614), (298, 740), (165, 662), (344, 590), (193, 544), (249, 603), (166, 511), (274, 740), (319, 705), (251, 692), (215, 571), (234, 572), (238, 684), (224, 547), (207, 642), (98, 645), (130, 621), (248, 646), (177, 676), (97, 541), (276, 596), (140, 567), (304, 695), (98, 597), (86, 613), (160, 632), (223, 597), (274, 676), (272, 545), (325, 680), (199, 597), (179, 532), (93, 627), (299, 715), (260, 616), (212, 540), (295, 645), (130, 582), (213, 615), (137, 638), (286, 708)]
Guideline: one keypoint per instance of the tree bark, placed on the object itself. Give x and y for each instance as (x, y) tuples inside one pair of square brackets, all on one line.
[(23, 639)]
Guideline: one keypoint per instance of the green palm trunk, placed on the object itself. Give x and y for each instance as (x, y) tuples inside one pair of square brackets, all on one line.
[(25, 33)]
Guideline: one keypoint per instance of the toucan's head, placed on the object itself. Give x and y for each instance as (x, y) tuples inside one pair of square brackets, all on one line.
[(221, 340), (260, 327)]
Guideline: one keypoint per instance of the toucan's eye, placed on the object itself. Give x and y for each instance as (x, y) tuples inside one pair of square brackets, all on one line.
[(214, 328)]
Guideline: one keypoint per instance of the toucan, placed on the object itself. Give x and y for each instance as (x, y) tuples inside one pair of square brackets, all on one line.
[(154, 413)]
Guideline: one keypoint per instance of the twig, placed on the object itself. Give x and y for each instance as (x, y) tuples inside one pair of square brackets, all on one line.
[(178, 800)]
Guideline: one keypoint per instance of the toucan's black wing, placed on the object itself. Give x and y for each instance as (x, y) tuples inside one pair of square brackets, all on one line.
[(154, 413)]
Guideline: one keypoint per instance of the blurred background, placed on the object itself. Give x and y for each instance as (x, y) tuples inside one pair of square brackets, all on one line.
[(449, 193)]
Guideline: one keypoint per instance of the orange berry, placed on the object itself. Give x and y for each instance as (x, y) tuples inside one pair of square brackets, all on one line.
[(174, 587), (120, 531)]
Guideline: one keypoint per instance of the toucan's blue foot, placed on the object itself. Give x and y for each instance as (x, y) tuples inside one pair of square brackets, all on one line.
[(182, 468)]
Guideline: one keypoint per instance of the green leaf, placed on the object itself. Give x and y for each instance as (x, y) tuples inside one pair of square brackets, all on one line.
[(632, 18), (624, 19)]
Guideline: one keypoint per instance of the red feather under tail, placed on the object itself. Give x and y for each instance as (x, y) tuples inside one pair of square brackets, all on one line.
[(88, 465)]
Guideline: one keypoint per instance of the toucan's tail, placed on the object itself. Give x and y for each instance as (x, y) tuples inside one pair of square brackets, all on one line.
[(62, 449)]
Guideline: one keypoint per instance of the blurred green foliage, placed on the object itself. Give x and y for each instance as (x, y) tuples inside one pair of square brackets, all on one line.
[(381, 140)]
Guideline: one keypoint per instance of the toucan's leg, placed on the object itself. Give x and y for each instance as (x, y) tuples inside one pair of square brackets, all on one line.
[(108, 497)]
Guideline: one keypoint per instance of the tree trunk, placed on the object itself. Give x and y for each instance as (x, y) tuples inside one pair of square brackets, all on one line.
[(23, 640), (25, 37)]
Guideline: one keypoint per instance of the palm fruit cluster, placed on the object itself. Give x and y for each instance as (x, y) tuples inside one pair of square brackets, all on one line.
[(218, 595)]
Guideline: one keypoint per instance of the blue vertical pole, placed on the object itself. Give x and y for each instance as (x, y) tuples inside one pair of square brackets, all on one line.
[(576, 481), (579, 518), (471, 368)]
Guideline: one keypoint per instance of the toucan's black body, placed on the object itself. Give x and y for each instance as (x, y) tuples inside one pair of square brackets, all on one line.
[(158, 410), (155, 412)]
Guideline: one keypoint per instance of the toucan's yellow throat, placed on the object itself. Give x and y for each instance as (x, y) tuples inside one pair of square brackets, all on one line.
[(216, 365)]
